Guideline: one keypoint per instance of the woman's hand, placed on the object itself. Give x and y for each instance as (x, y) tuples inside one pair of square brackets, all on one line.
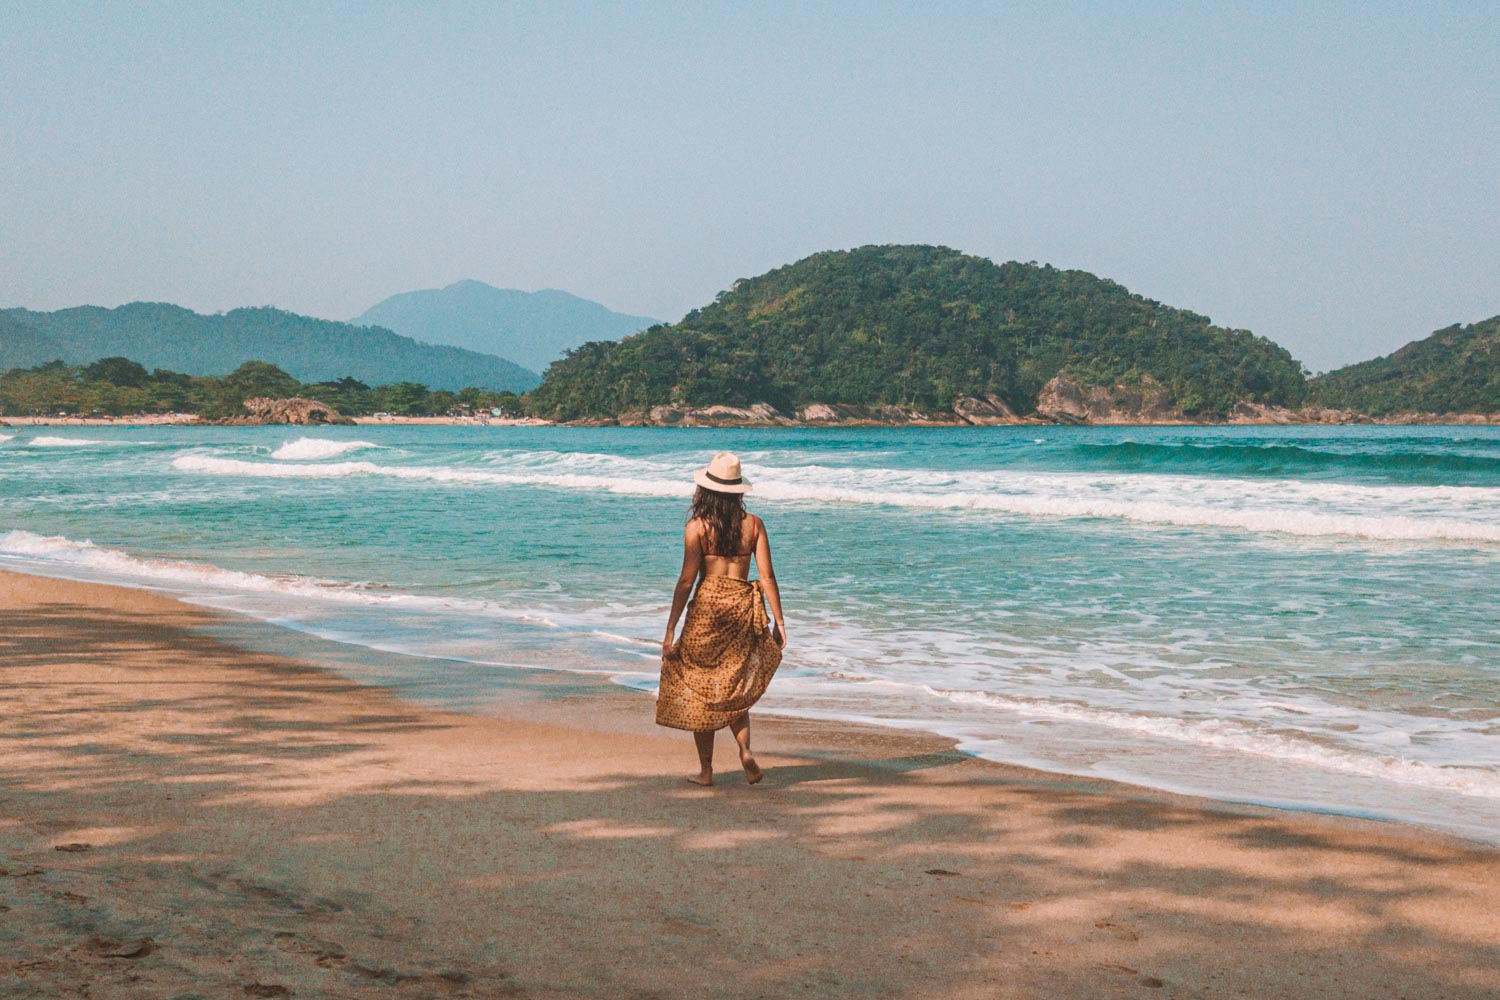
[(778, 632), (666, 647)]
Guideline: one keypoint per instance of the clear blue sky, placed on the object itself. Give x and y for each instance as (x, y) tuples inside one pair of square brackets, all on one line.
[(1327, 175)]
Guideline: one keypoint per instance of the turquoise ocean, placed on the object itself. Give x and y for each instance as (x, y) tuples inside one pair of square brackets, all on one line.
[(1304, 617)]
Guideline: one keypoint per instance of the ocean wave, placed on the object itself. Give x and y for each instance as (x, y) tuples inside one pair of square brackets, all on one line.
[(64, 442), (1274, 458), (1299, 509), (198, 577), (312, 449), (1225, 734)]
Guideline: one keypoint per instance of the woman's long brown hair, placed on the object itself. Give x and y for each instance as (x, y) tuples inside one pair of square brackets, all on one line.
[(722, 514)]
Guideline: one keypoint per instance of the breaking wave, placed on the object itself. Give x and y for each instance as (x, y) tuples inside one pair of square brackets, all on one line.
[(314, 449), (1310, 510)]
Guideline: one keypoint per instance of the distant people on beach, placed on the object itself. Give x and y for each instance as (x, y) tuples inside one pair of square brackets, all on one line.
[(728, 651)]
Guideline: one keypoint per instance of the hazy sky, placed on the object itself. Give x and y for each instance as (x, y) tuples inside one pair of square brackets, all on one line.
[(1327, 175)]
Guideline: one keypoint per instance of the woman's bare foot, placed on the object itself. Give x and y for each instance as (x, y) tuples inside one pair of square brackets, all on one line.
[(753, 773), (706, 778)]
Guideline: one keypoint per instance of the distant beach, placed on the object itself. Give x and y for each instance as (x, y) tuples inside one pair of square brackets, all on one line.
[(192, 419)]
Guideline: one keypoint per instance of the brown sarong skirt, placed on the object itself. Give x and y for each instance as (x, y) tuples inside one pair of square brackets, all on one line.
[(723, 661)]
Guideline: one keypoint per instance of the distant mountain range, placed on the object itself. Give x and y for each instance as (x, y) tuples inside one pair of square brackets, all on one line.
[(913, 326), (160, 335), (532, 329)]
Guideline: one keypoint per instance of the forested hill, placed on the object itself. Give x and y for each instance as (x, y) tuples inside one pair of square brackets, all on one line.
[(1455, 370), (917, 326), (159, 335), (530, 328), (22, 346)]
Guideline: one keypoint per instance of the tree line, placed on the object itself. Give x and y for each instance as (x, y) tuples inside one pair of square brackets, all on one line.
[(120, 386)]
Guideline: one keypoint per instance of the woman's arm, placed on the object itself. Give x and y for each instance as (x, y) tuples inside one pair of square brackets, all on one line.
[(768, 581), (692, 565)]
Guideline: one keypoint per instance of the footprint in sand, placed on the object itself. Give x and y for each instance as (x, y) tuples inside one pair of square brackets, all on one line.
[(1120, 931), (115, 948), (324, 953), (21, 872), (265, 990), (73, 848), (1149, 981)]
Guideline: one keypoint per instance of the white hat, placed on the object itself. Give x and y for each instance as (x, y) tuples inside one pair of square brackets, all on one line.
[(723, 475)]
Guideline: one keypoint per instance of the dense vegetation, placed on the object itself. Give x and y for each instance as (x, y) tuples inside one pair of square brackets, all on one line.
[(532, 329), (1455, 370), (119, 386), (917, 326), (158, 334)]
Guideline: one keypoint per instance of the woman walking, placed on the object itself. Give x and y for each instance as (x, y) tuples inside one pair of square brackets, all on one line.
[(726, 655)]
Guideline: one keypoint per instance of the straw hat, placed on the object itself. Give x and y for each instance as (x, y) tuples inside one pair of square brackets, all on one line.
[(723, 475)]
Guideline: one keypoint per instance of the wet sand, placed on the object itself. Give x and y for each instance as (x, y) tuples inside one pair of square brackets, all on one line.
[(185, 816)]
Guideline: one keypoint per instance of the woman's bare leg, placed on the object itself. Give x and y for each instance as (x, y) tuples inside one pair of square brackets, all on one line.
[(705, 743), (741, 728)]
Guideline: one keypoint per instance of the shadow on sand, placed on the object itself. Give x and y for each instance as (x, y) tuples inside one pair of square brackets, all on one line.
[(280, 829)]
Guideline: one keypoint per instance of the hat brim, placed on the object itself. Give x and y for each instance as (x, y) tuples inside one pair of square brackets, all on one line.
[(701, 478)]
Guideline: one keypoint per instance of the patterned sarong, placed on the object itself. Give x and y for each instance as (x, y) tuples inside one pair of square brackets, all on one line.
[(723, 661)]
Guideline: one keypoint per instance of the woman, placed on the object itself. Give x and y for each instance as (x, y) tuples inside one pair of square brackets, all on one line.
[(720, 667)]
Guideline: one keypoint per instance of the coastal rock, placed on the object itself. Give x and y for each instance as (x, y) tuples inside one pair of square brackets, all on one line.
[(849, 415), (1246, 412), (1329, 415), (757, 414), (665, 416), (985, 410), (1064, 401), (718, 415), (289, 411)]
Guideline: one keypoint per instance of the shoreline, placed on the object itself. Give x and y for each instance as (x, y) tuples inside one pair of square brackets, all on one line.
[(254, 821), (191, 420)]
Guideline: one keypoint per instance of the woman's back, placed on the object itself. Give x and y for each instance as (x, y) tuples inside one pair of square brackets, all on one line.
[(723, 560)]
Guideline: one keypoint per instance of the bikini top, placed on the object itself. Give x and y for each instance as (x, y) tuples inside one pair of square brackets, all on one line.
[(754, 537)]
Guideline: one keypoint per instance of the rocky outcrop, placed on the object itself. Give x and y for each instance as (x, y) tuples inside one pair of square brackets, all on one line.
[(881, 415), (1261, 414), (1063, 401), (985, 410), (718, 415), (1409, 417), (296, 410)]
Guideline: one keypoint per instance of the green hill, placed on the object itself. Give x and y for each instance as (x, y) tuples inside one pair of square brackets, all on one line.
[(531, 328), (22, 346), (160, 335), (1455, 370), (917, 326)]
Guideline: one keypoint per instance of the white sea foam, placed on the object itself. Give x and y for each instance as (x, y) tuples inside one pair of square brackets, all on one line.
[(1226, 734), (6, 437), (313, 449), (1218, 734), (1304, 509), (45, 441), (199, 577)]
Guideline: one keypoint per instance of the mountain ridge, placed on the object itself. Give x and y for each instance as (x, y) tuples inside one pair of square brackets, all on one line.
[(531, 328), (166, 335)]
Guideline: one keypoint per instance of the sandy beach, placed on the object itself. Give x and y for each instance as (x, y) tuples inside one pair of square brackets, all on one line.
[(181, 816)]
